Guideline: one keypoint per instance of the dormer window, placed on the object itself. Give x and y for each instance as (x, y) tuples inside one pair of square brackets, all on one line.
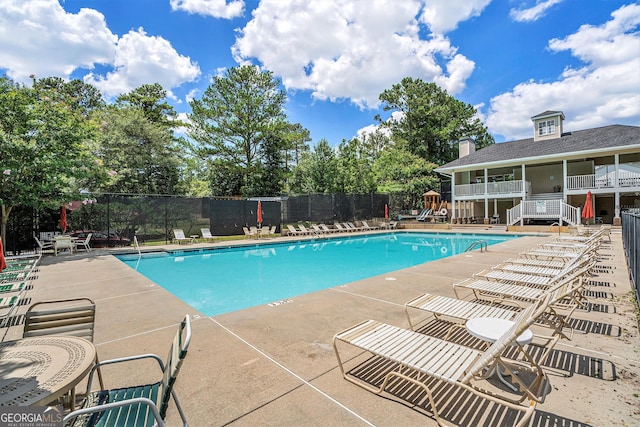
[(547, 127)]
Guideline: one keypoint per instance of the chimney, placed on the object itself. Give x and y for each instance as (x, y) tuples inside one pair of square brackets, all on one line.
[(467, 146)]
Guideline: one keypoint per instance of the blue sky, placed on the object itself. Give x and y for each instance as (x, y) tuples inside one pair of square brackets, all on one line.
[(510, 59)]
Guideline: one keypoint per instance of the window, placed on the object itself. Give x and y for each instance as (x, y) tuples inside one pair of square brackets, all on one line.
[(547, 127)]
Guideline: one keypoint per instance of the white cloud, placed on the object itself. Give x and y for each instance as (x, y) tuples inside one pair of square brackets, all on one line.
[(444, 15), (603, 91), (341, 49), (142, 59), (215, 8), (375, 128), (182, 130), (533, 13), (191, 95), (40, 38)]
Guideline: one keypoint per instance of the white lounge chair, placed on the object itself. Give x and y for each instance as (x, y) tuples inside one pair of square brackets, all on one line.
[(434, 359), (179, 237), (366, 226), (207, 236)]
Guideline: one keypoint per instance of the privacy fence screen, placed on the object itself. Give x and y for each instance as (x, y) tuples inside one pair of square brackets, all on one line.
[(115, 219), (631, 241)]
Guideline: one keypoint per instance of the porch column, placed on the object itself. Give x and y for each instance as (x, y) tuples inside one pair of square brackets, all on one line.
[(486, 197), (616, 188), (465, 217), (453, 197), (524, 194), (564, 180)]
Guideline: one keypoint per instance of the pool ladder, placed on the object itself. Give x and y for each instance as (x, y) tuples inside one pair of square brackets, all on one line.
[(478, 243), (137, 246)]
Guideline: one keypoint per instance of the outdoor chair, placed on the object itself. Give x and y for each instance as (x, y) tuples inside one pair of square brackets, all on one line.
[(71, 317), (435, 360), (140, 404), (293, 231), (249, 233), (207, 236), (62, 243), (179, 237), (83, 243), (44, 246), (495, 219)]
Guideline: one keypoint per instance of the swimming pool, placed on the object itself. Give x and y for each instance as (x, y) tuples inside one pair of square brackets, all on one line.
[(220, 280)]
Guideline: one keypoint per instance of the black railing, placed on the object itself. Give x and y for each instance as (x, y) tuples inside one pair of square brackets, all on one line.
[(631, 242)]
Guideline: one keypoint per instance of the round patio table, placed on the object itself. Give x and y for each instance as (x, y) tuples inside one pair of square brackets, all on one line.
[(39, 370), (490, 329)]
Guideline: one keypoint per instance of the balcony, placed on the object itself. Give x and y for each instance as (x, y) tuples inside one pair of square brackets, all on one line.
[(493, 188), (593, 182)]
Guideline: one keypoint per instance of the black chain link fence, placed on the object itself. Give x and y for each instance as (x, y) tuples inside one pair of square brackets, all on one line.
[(114, 219), (631, 242)]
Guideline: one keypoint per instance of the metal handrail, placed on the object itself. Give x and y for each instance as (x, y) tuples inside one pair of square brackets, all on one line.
[(137, 246), (478, 243)]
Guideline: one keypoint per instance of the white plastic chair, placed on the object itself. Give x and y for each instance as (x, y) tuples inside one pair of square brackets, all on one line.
[(83, 243)]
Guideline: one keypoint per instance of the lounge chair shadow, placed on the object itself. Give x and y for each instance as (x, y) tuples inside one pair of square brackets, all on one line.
[(590, 327), (13, 320), (547, 419), (602, 283), (576, 364), (456, 406)]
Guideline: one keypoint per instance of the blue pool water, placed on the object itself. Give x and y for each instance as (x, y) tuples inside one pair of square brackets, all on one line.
[(216, 281)]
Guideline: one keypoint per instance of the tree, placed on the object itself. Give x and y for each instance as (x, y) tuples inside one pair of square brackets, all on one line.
[(141, 156), (406, 174), (317, 171), (138, 145), (236, 115), (79, 96), (151, 99), (432, 121), (268, 177), (45, 141), (296, 138), (355, 173)]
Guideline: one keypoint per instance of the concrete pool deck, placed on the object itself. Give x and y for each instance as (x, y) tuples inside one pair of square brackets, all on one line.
[(274, 365)]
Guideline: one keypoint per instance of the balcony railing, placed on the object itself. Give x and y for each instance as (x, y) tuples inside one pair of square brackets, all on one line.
[(591, 181), (504, 187)]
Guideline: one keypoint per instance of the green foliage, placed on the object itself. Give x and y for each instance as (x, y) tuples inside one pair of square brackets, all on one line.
[(408, 175), (151, 99), (355, 173), (46, 142), (317, 171), (432, 121), (238, 112), (141, 156)]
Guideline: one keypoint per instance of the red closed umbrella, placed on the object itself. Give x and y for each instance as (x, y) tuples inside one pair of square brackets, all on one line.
[(587, 212), (259, 212), (3, 262), (63, 219), (386, 211)]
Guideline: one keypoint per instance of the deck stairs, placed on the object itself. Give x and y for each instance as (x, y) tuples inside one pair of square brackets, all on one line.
[(549, 209)]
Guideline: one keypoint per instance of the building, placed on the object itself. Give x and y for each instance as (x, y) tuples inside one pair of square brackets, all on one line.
[(547, 177)]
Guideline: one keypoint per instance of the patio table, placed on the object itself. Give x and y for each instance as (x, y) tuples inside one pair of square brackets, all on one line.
[(39, 370)]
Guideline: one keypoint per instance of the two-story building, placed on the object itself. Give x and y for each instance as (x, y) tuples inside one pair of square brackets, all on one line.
[(547, 177)]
